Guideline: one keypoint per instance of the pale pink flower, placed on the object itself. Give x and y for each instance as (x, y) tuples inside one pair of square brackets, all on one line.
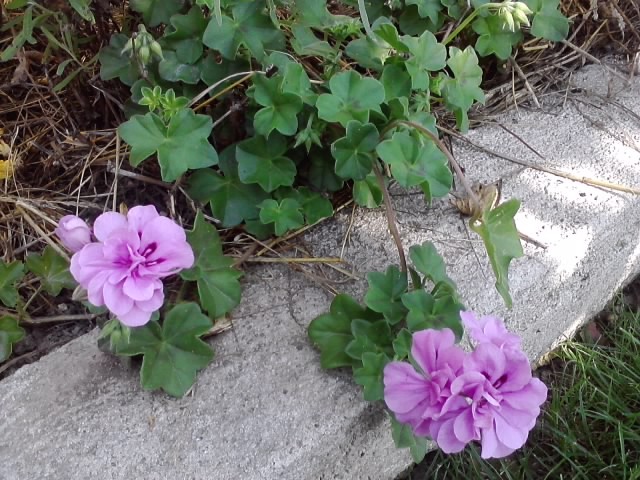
[(488, 395), (124, 267), (489, 329), (73, 232)]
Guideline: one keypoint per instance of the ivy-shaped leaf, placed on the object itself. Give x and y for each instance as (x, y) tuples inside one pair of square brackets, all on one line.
[(396, 82), (52, 269), (437, 311), (280, 109), (427, 8), (331, 332), (285, 215), (185, 35), (367, 193), (10, 275), (402, 344), (305, 43), (231, 201), (247, 26), (10, 333), (548, 21), (403, 437), (461, 91), (314, 206), (263, 162), (428, 262), (181, 145), (385, 292), (494, 37), (354, 152), (218, 285), (172, 353), (498, 231), (370, 375), (369, 337), (115, 64), (156, 12), (172, 69), (413, 163), (427, 55), (368, 53), (322, 175), (352, 97)]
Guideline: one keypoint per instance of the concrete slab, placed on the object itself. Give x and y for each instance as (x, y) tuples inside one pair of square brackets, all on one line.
[(264, 409)]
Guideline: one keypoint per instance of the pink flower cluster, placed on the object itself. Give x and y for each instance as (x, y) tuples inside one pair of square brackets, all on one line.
[(123, 267), (487, 395)]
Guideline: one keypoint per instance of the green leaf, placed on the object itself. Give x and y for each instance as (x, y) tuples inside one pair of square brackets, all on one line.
[(352, 97), (52, 269), (494, 37), (218, 285), (354, 152), (280, 109), (367, 53), (156, 12), (427, 8), (396, 82), (385, 292), (402, 344), (371, 374), (286, 214), (115, 64), (185, 35), (367, 193), (263, 162), (461, 91), (439, 310), (314, 206), (305, 43), (322, 175), (83, 9), (427, 55), (331, 332), (403, 437), (414, 162), (428, 261), (10, 275), (10, 333), (172, 353), (174, 70), (231, 200), (498, 231), (249, 26), (548, 21), (369, 337), (180, 146)]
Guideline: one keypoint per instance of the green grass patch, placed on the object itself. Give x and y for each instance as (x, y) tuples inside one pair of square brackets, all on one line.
[(590, 427)]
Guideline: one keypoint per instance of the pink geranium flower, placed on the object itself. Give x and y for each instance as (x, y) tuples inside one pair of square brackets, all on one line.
[(488, 395), (124, 267), (417, 397)]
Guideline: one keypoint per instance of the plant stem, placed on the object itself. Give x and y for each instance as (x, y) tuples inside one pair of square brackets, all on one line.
[(445, 150), (365, 21), (468, 20), (391, 218)]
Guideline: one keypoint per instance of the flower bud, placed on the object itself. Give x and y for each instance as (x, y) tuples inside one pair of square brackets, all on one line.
[(144, 54), (520, 17), (73, 232), (127, 47), (156, 49)]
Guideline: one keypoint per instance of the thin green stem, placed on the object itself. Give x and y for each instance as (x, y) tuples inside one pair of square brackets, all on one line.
[(468, 20), (391, 218)]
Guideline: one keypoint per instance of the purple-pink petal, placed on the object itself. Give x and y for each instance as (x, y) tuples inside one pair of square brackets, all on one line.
[(73, 232), (124, 268), (107, 223)]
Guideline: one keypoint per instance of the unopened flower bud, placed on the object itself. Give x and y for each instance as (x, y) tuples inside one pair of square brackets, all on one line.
[(73, 232), (156, 49), (144, 53)]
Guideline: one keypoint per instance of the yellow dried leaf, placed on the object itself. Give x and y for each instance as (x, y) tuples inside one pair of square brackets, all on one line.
[(6, 169)]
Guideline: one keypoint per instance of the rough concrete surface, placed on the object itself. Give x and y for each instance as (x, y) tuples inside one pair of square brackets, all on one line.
[(264, 409)]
